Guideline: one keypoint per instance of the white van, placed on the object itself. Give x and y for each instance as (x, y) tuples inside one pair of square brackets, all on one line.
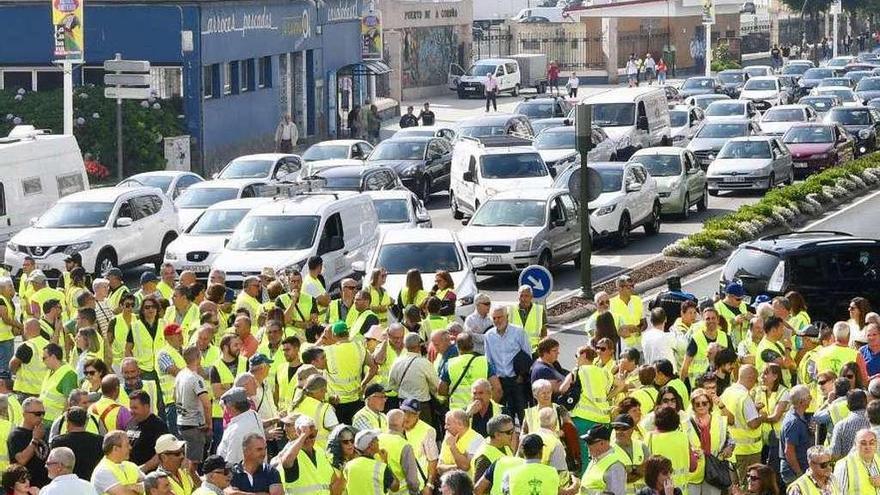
[(341, 227), (36, 170), (472, 83), (634, 118), (483, 167)]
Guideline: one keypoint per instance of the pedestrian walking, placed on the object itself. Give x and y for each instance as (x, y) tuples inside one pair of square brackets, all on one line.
[(553, 76), (661, 72), (374, 124), (572, 85), (775, 57), (650, 66), (632, 71), (286, 135), (491, 91), (409, 119), (786, 53), (426, 115), (354, 122)]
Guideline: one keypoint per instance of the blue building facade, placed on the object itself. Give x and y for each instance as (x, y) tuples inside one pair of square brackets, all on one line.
[(238, 66)]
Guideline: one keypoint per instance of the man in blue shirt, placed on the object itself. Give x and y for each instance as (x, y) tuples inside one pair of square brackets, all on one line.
[(503, 343), (795, 438), (252, 474)]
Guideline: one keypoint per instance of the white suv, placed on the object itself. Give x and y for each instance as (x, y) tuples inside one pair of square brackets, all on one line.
[(113, 226)]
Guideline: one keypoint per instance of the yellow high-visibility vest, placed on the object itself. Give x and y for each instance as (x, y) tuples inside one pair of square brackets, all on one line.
[(533, 323)]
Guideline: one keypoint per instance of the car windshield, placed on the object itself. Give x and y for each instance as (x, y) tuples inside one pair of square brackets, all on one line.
[(218, 221), (247, 169), (725, 109), (719, 130), (481, 69), (698, 83), (399, 150), (538, 125), (839, 62), (482, 131), (536, 110), (818, 104), (77, 215), (556, 140), (732, 77), (160, 181), (614, 114), (834, 81), (612, 178), (274, 233), (678, 118), (745, 150), (869, 84), (392, 210), (797, 69), (844, 94), (426, 257), (512, 166), (850, 116), (818, 73), (341, 182), (660, 165), (756, 71), (414, 132), (760, 85), (750, 264), (326, 152), (703, 103), (783, 115), (203, 197), (510, 213), (808, 134)]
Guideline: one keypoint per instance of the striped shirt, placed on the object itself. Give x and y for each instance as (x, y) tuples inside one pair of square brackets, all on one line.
[(843, 436)]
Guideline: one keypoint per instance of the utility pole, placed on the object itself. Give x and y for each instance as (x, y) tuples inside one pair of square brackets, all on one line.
[(836, 9), (584, 130), (708, 21)]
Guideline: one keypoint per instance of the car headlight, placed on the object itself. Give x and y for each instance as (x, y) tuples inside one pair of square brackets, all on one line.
[(491, 191), (864, 134), (678, 138), (605, 210), (465, 301), (410, 171), (710, 156), (75, 248), (524, 244), (819, 156), (170, 256)]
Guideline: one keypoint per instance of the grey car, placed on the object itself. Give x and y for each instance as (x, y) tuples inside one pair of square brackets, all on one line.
[(681, 183), (709, 140), (751, 163)]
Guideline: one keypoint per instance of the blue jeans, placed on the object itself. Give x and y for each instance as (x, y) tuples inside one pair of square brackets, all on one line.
[(217, 433), (6, 353), (171, 419)]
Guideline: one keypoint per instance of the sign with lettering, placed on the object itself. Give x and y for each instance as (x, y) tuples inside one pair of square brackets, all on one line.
[(371, 36), (67, 26), (239, 23), (341, 10)]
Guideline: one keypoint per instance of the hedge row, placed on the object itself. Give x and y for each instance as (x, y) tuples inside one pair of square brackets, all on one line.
[(780, 206)]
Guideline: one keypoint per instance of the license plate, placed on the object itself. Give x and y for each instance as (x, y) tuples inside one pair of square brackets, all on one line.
[(492, 258), (736, 179), (800, 165), (196, 268), (470, 89)]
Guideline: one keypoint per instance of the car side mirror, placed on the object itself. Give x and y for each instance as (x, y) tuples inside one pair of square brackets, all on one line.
[(477, 263), (468, 177), (465, 221), (123, 221)]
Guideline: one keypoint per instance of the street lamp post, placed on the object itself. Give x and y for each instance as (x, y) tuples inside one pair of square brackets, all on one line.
[(708, 28)]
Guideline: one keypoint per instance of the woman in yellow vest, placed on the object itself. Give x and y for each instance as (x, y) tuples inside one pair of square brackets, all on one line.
[(542, 391), (95, 370), (72, 291), (413, 291), (659, 479), (799, 318), (312, 402), (773, 394), (380, 300), (708, 435), (444, 290), (147, 337), (340, 446), (671, 441)]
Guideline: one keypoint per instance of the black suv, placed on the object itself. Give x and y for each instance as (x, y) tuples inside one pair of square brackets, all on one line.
[(828, 268)]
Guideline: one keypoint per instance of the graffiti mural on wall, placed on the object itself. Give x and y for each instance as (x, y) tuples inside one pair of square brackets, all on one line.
[(427, 53)]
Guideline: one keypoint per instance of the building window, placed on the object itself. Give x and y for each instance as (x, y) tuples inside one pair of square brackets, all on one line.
[(227, 78), (17, 79), (265, 72), (31, 185), (93, 76), (211, 81), (49, 80), (166, 82), (247, 75)]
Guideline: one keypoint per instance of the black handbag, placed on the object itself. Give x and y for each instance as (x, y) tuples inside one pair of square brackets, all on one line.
[(570, 399), (717, 471)]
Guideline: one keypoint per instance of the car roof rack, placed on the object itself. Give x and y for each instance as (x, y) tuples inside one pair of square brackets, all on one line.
[(302, 187), (804, 233), (499, 141)]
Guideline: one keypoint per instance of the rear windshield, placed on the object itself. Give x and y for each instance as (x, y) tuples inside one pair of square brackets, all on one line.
[(749, 264)]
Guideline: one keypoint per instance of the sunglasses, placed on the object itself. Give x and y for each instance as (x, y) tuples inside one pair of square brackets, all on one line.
[(753, 477), (603, 303), (346, 441), (701, 403), (823, 382), (91, 372), (601, 349), (37, 413)]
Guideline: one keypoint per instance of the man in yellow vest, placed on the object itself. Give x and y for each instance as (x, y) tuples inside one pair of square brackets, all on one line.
[(9, 324), (148, 287), (58, 383), (300, 309), (303, 468), (605, 473), (78, 398), (459, 444), (665, 376), (696, 360), (183, 311), (365, 316), (171, 453), (222, 375), (384, 356), (369, 472), (833, 357), (858, 471), (423, 438), (499, 443), (343, 308), (400, 455), (133, 381), (631, 452), (41, 292), (27, 364), (169, 362), (735, 311), (532, 476), (818, 479), (346, 361), (529, 315), (110, 413), (115, 474), (117, 288), (249, 299), (628, 308), (746, 429), (25, 290), (285, 375), (481, 408), (314, 284), (461, 371), (168, 276), (218, 474), (372, 416), (775, 348)]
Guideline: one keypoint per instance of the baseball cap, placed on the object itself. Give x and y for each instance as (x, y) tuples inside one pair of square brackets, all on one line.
[(172, 329), (735, 289), (809, 331), (234, 394), (596, 433), (411, 405), (215, 462), (37, 276), (148, 277), (258, 359), (532, 441), (168, 443), (364, 438), (75, 257), (113, 272), (339, 328), (623, 422)]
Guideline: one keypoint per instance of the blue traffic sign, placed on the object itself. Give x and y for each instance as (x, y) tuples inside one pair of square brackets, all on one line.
[(539, 279)]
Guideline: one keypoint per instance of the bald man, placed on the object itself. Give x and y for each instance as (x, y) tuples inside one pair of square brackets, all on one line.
[(394, 441), (746, 430)]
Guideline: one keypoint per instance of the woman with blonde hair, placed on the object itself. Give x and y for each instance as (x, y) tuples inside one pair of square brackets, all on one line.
[(380, 301), (709, 436)]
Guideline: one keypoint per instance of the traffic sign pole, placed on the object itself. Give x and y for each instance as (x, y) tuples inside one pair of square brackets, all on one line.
[(583, 120)]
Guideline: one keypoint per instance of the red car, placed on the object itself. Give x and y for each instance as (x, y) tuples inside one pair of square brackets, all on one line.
[(817, 146)]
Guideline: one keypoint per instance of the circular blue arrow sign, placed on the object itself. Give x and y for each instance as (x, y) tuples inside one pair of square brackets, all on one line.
[(539, 279)]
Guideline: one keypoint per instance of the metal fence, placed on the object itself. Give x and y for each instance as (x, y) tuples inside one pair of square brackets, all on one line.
[(572, 47), (647, 39)]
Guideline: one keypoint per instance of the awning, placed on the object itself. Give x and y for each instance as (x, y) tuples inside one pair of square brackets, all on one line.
[(365, 68)]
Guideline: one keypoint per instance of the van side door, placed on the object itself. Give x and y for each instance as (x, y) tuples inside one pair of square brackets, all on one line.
[(6, 228), (331, 247), (572, 238)]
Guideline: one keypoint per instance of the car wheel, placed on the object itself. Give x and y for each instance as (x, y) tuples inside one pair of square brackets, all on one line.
[(425, 193), (106, 260), (545, 259), (460, 94), (613, 157), (165, 242), (790, 180), (516, 90), (771, 182), (703, 204), (686, 207), (622, 235), (453, 205), (653, 226)]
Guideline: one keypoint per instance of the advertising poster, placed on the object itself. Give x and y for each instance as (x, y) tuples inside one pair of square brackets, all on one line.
[(371, 36), (67, 22)]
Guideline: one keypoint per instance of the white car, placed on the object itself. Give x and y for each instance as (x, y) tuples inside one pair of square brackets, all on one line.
[(685, 120), (172, 182), (703, 101), (777, 120), (629, 199), (558, 147), (515, 229), (198, 246), (427, 131), (111, 226), (335, 150), (846, 95), (426, 250), (757, 163), (265, 166), (199, 197), (764, 92), (400, 209), (840, 62), (758, 70), (734, 110)]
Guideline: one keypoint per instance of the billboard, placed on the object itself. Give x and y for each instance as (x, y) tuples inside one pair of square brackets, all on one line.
[(371, 36), (67, 26), (708, 11)]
